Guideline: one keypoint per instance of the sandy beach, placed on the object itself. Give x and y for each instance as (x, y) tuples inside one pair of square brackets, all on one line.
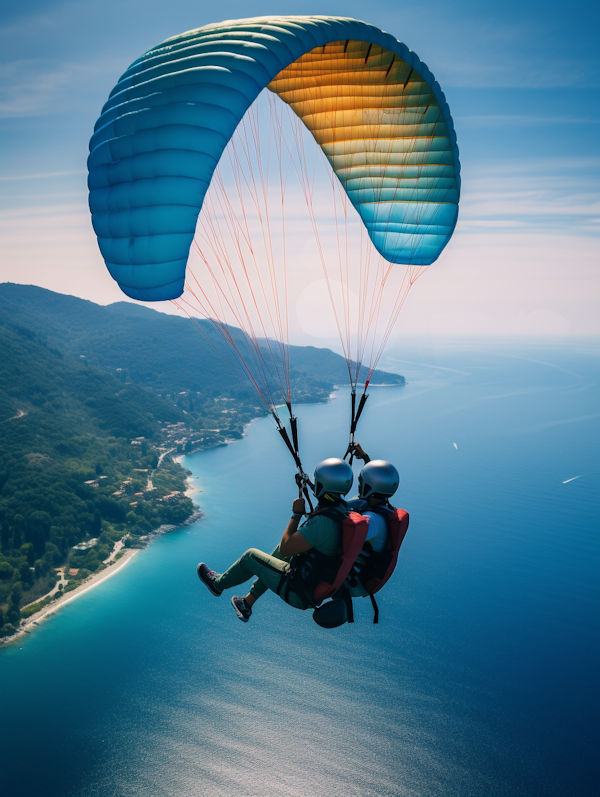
[(95, 579), (90, 583)]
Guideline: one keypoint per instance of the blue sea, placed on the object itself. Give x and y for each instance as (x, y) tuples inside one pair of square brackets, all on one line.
[(481, 679)]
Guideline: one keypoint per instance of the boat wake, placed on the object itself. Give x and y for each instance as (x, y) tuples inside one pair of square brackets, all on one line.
[(572, 479)]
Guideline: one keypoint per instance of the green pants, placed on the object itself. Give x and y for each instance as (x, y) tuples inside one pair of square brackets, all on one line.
[(270, 570)]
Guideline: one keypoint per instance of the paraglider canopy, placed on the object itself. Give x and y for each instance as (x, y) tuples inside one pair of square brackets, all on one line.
[(372, 106)]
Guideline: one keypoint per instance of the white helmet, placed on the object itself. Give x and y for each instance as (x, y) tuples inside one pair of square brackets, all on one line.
[(333, 476), (378, 478)]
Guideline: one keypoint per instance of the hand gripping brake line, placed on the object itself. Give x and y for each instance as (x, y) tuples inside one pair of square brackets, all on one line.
[(356, 413)]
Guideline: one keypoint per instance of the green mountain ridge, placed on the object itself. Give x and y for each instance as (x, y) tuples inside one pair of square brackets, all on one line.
[(162, 351), (90, 397), (68, 470)]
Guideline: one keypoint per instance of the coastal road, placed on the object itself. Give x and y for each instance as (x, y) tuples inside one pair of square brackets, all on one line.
[(150, 485), (60, 572)]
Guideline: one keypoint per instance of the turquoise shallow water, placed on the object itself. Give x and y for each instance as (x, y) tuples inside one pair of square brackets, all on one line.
[(481, 678)]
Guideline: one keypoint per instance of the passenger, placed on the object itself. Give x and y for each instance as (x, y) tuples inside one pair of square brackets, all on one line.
[(333, 479), (377, 483)]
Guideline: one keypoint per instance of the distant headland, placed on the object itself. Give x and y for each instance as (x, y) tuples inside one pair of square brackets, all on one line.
[(97, 405)]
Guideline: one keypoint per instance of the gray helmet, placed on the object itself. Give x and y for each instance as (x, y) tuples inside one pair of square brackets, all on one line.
[(378, 478), (333, 476)]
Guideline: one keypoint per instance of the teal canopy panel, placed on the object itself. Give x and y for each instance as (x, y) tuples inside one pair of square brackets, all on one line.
[(370, 103)]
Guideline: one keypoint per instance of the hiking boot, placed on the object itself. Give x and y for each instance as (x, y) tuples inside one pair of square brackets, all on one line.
[(241, 608), (208, 577)]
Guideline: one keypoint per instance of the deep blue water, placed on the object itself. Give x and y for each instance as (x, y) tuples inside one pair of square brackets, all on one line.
[(481, 679)]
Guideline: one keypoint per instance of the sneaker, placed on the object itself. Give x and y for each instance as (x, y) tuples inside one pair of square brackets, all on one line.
[(241, 608), (208, 577)]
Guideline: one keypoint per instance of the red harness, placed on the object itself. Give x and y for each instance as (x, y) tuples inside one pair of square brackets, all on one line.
[(397, 524), (355, 528), (334, 570)]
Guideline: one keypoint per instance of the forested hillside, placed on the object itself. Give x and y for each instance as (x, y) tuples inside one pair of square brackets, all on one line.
[(65, 450), (162, 351), (91, 400)]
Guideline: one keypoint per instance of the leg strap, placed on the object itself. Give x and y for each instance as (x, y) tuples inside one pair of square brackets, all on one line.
[(375, 609), (347, 598)]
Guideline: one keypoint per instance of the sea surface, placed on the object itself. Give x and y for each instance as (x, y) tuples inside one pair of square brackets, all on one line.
[(481, 678)]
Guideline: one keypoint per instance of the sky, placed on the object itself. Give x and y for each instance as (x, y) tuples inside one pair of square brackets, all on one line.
[(523, 83)]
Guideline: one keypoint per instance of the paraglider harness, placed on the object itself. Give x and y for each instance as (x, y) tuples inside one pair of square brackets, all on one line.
[(315, 576), (378, 566), (312, 575)]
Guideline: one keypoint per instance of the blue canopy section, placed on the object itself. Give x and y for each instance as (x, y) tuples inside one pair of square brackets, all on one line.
[(170, 116)]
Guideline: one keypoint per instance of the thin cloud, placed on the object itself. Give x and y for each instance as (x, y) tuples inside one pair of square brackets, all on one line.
[(8, 178), (523, 120), (487, 53), (39, 215), (31, 87), (542, 166), (561, 195), (39, 87), (465, 224)]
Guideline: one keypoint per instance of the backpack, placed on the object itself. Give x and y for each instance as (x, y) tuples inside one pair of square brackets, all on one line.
[(379, 565), (314, 575)]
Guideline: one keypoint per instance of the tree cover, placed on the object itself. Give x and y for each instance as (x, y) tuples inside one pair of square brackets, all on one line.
[(78, 384), (162, 351), (63, 424)]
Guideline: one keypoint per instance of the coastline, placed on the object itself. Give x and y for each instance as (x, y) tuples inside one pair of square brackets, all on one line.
[(93, 580), (90, 583), (97, 578)]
